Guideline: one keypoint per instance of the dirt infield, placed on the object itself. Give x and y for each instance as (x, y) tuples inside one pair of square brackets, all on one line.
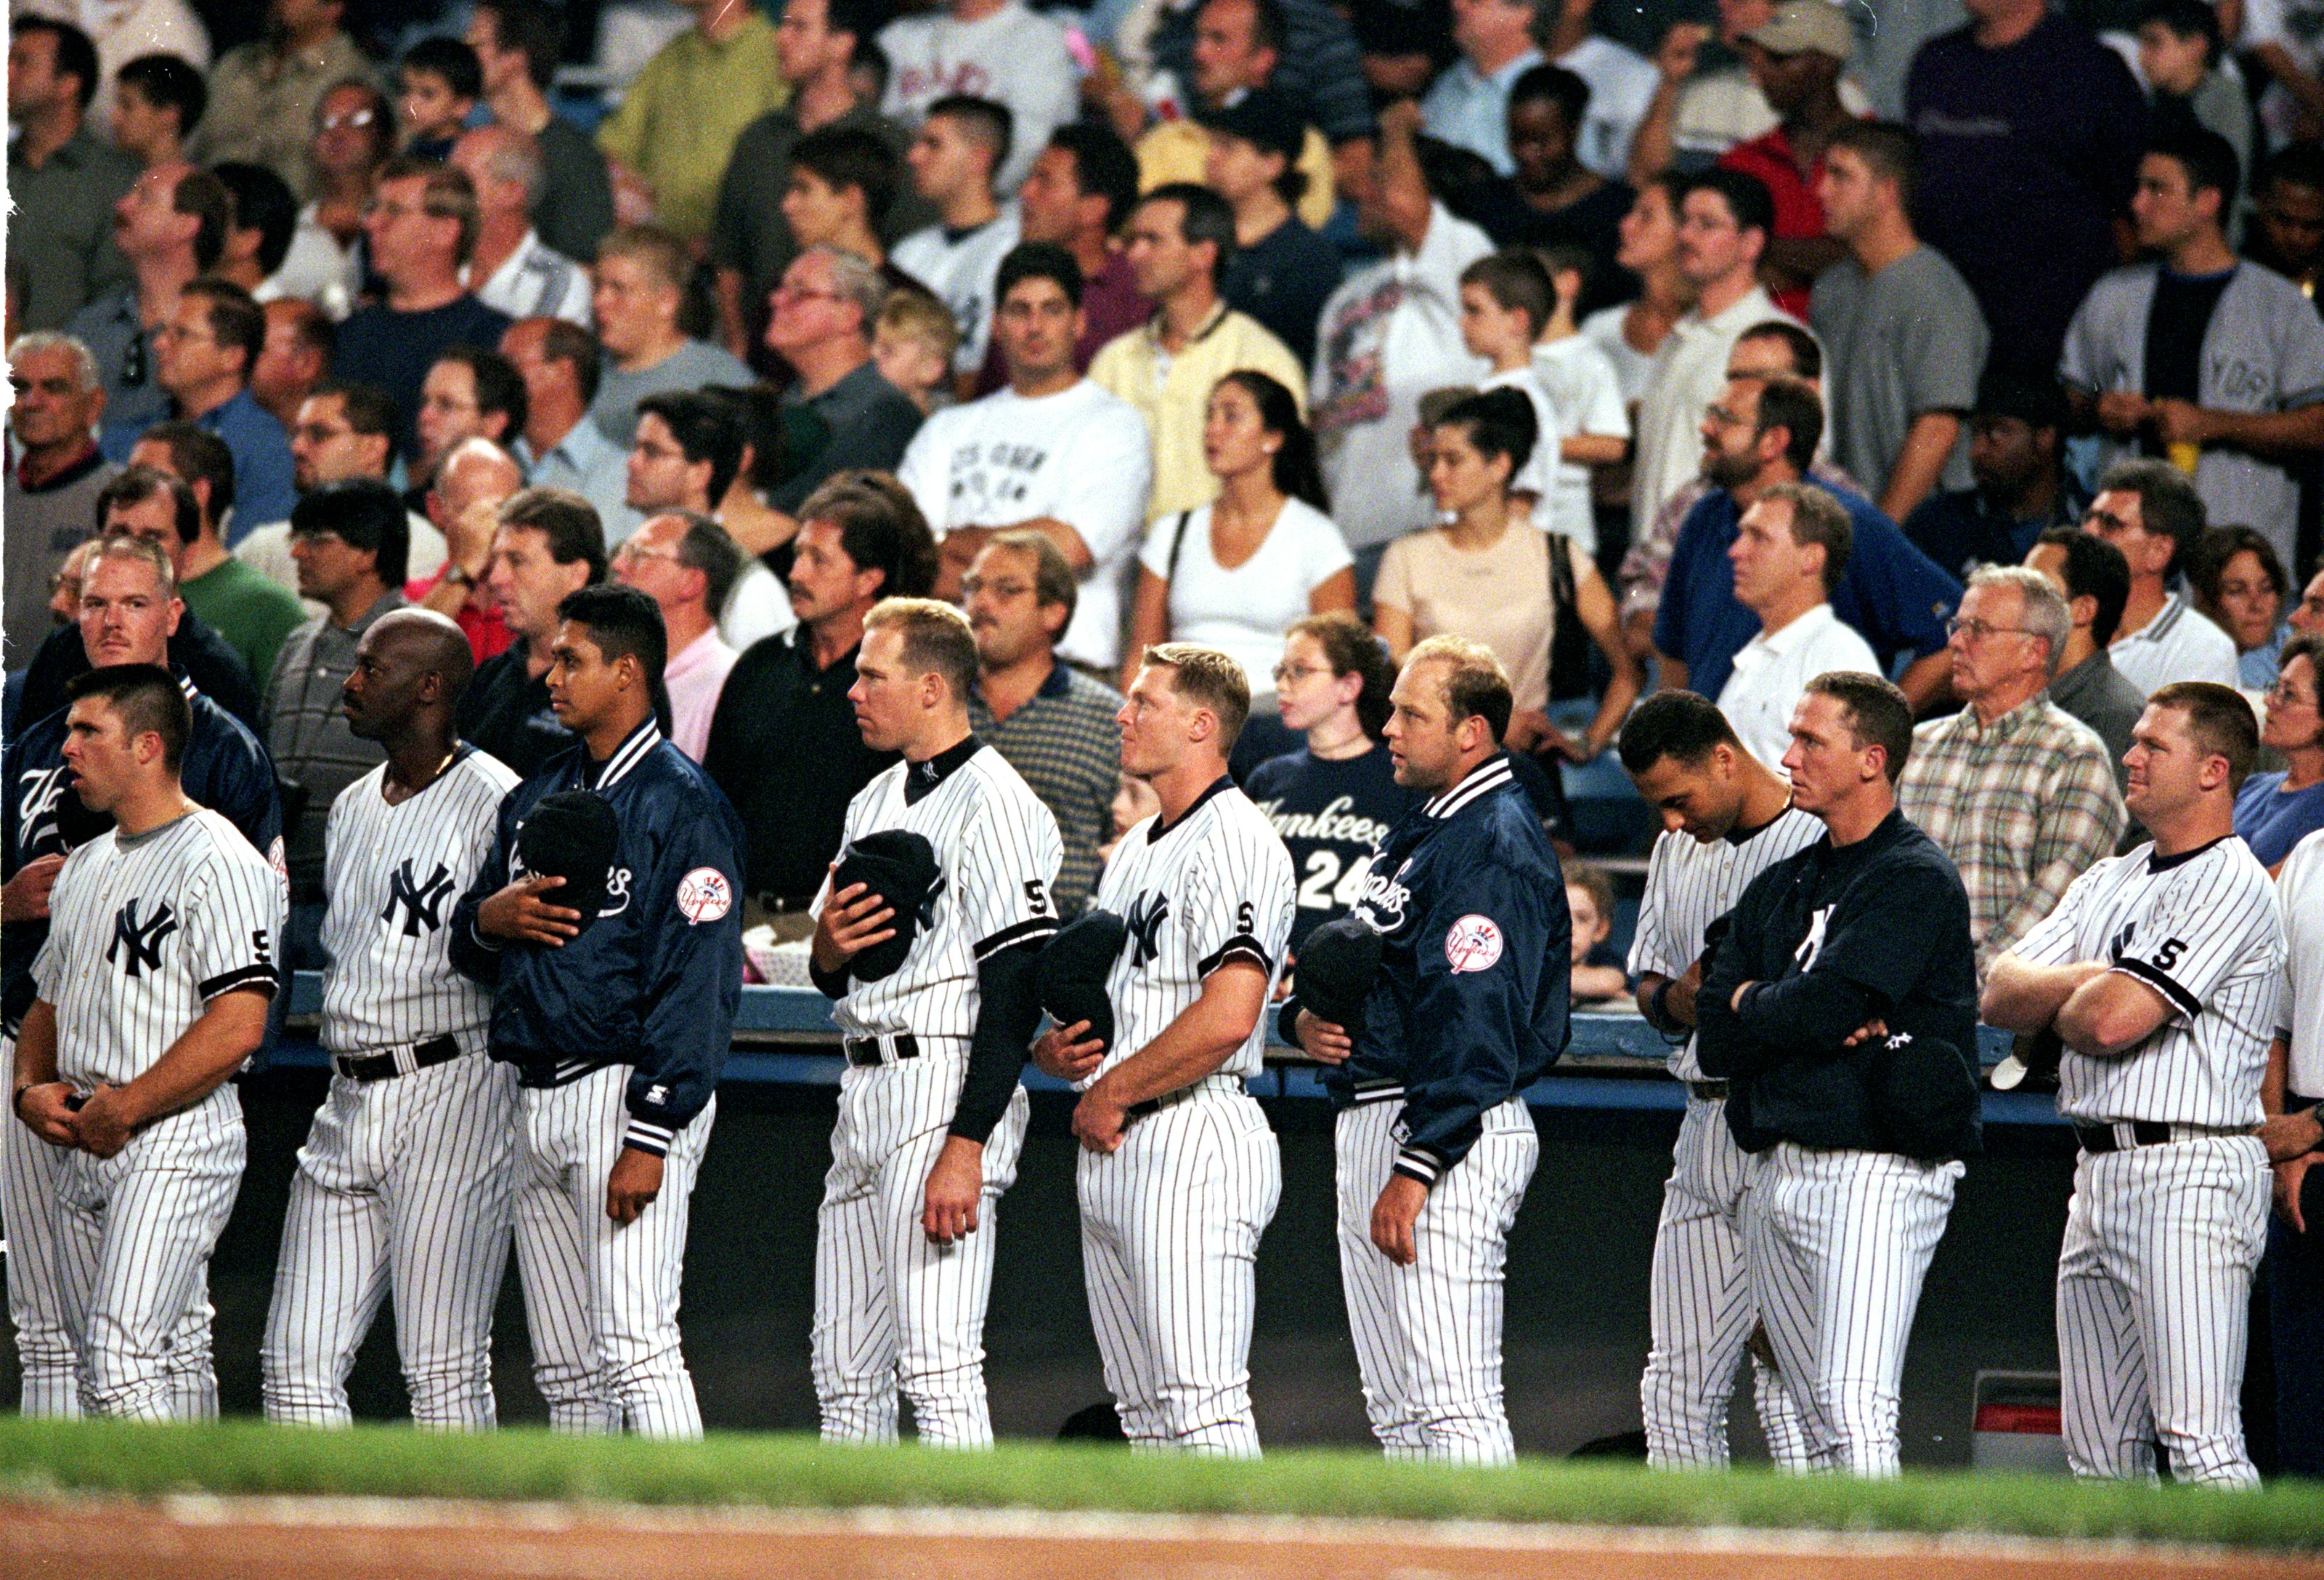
[(359, 1539)]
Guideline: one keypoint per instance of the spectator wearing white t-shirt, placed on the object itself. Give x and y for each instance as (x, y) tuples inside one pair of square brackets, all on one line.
[(1238, 573), (1621, 82), (1586, 393), (991, 48), (1052, 454), (1789, 551), (954, 162), (2150, 512)]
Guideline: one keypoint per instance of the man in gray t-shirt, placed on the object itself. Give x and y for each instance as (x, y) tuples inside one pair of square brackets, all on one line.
[(1899, 325)]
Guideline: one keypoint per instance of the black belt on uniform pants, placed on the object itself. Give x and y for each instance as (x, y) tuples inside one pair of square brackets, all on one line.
[(863, 1052), (1708, 1091), (379, 1067), (1153, 1106), (2096, 1138)]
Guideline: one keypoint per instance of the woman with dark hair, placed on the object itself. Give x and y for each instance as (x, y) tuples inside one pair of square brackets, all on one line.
[(1490, 575), (1331, 799), (2275, 811), (1236, 573), (2241, 587)]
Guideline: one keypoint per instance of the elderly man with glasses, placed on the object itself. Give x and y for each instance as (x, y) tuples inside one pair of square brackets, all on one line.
[(2018, 793)]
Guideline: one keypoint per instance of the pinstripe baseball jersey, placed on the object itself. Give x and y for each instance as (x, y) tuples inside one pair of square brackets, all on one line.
[(145, 929), (2201, 928), (393, 875), (1213, 886), (998, 851), (1691, 884)]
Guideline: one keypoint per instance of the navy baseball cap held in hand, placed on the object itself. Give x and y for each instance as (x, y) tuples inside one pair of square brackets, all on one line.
[(1070, 977), (901, 867), (1336, 968), (573, 836), (1924, 1097)]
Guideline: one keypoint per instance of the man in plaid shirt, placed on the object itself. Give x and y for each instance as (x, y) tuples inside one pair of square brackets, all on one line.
[(2017, 792)]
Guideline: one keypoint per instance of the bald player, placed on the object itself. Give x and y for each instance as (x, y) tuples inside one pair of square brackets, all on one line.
[(404, 1186)]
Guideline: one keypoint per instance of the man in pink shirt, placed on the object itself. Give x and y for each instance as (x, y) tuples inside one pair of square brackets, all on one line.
[(686, 564)]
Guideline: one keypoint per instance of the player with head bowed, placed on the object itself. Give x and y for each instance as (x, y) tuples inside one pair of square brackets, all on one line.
[(1431, 1053), (150, 991), (403, 1187), (2159, 975), (1179, 1173), (604, 915), (926, 932), (1726, 818), (127, 610), (1838, 1002)]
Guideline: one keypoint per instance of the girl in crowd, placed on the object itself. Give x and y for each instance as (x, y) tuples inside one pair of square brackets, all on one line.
[(2241, 584), (2274, 812)]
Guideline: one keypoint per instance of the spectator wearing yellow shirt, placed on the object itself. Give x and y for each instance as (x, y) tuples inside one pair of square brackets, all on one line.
[(676, 124), (1237, 44), (1181, 240)]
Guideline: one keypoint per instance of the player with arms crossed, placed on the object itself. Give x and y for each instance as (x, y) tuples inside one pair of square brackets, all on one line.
[(1179, 1173), (151, 990), (1435, 1143), (931, 1118), (1843, 977), (404, 1183), (2159, 972), (1726, 819), (617, 1013), (129, 609)]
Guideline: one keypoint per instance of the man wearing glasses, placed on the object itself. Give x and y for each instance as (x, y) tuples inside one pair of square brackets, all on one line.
[(2019, 794), (2150, 512)]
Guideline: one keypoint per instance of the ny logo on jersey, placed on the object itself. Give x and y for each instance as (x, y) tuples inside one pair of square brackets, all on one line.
[(926, 913), (2121, 944), (1146, 913), (143, 938), (1813, 944), (422, 903)]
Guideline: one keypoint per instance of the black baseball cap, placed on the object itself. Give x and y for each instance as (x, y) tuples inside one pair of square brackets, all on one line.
[(1264, 119)]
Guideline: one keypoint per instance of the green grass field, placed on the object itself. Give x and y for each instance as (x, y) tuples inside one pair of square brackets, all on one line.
[(742, 1470)]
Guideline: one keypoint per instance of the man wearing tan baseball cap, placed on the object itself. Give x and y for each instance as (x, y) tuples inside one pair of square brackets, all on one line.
[(1795, 57)]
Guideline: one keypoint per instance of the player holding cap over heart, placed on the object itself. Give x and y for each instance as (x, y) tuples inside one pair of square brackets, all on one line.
[(1469, 1005), (604, 915)]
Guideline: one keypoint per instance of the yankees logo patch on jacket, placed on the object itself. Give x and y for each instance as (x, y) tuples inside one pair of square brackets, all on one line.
[(224, 769), (653, 983), (1471, 1002), (393, 875), (146, 929)]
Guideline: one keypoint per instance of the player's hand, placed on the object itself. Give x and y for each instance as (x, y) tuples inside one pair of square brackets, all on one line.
[(955, 1186), (1393, 1216), (2122, 412), (1098, 1121), (1679, 1002), (1326, 1041), (1060, 1052), (2180, 421), (2288, 1178), (632, 1187), (852, 920), (46, 1111), (519, 914), (25, 896), (102, 1125), (2289, 1135), (1875, 1030)]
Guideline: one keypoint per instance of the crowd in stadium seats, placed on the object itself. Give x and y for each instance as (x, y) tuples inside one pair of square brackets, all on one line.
[(1986, 357)]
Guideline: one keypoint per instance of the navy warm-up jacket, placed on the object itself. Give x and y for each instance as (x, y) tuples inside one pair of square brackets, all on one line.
[(1471, 1002), (653, 983)]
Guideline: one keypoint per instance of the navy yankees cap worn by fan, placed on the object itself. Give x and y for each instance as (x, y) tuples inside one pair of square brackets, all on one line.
[(901, 867), (573, 836), (1070, 977), (1336, 968)]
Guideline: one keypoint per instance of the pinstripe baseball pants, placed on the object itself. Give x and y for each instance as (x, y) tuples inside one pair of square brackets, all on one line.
[(1428, 1336), (1701, 1310), (1836, 1243), (134, 1233), (894, 1311), (1170, 1227), (601, 1297), (404, 1186), (2154, 1286), (31, 1172)]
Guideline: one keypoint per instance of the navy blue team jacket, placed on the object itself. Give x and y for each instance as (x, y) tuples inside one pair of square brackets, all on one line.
[(1472, 999), (654, 982), (225, 770)]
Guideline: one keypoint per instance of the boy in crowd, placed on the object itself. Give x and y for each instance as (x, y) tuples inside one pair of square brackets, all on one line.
[(438, 83), (1583, 390), (158, 100), (1597, 974), (1505, 300), (913, 343)]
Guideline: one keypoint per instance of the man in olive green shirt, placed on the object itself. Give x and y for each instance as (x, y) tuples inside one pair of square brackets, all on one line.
[(263, 94), (64, 181), (675, 128)]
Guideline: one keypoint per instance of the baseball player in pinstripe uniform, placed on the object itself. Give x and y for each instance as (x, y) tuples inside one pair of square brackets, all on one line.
[(1434, 1142), (152, 989), (931, 1118), (2160, 972), (404, 1183), (1179, 1173), (128, 610), (618, 1023), (1726, 819), (1839, 967)]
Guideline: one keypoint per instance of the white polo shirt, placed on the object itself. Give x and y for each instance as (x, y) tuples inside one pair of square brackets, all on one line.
[(2299, 891), (1772, 671), (2178, 644)]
